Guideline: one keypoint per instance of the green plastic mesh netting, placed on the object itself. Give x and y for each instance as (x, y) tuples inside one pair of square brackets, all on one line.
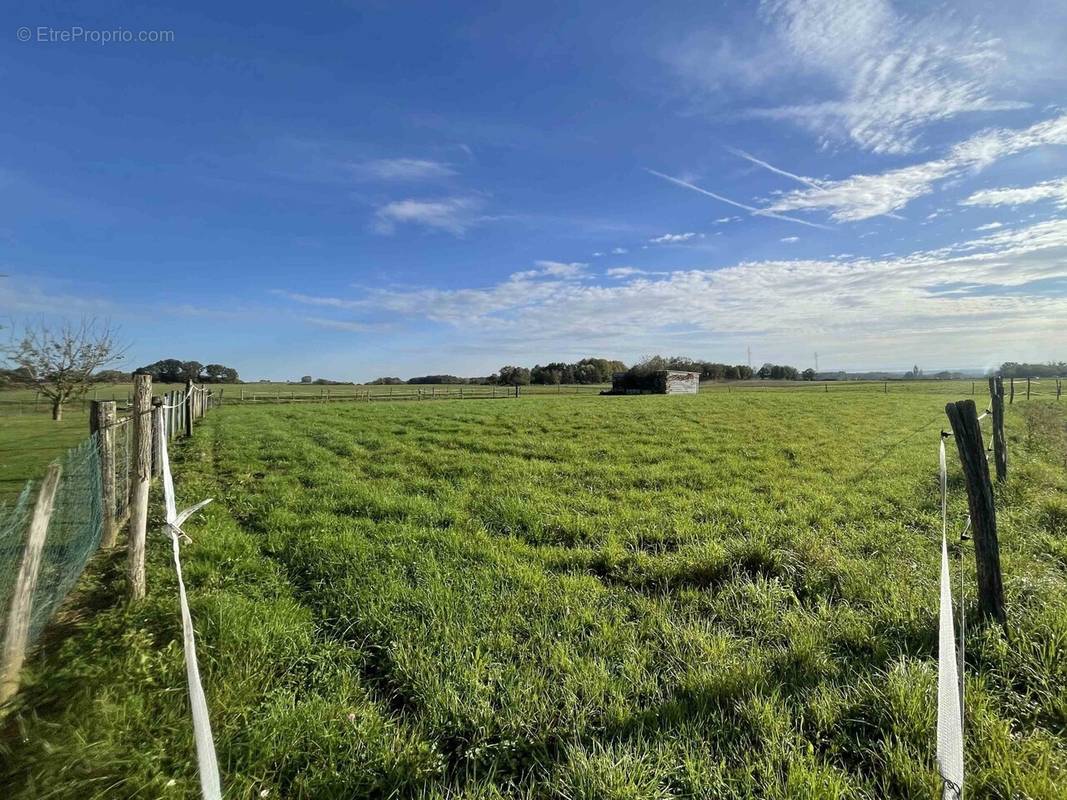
[(73, 536)]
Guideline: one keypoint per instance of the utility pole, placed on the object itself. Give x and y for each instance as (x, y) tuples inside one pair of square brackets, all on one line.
[(816, 362), (750, 358)]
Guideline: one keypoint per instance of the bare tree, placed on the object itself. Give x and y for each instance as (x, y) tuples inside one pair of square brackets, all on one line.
[(59, 361)]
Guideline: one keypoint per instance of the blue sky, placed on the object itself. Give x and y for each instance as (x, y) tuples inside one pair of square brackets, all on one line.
[(360, 189)]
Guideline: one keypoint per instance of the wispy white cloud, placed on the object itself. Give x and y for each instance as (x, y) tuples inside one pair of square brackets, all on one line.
[(892, 74), (619, 251), (863, 196), (401, 169), (978, 291), (672, 238), (553, 269), (1054, 190), (340, 324), (624, 272), (455, 215), (790, 239), (990, 226), (316, 300)]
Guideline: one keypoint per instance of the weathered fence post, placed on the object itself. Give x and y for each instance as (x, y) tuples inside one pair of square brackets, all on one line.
[(157, 438), (17, 636), (1000, 445), (1059, 388), (1011, 398), (140, 478), (967, 432), (1027, 388), (101, 422), (187, 407)]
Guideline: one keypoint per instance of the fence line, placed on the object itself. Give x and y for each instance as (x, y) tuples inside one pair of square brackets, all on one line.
[(42, 555), (1035, 388)]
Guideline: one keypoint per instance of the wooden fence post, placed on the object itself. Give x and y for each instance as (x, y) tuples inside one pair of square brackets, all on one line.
[(1000, 445), (17, 636), (157, 437), (1011, 398), (1027, 388), (187, 406), (968, 435), (1059, 388), (102, 422), (140, 478)]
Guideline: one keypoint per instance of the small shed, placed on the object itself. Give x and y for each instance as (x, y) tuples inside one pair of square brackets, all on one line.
[(664, 381)]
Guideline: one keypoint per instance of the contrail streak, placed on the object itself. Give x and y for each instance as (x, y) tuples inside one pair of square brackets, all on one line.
[(751, 209), (761, 163)]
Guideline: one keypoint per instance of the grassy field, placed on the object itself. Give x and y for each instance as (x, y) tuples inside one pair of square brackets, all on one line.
[(29, 439), (727, 595)]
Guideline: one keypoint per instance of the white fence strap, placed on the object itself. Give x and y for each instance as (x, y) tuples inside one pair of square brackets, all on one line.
[(949, 708), (210, 786)]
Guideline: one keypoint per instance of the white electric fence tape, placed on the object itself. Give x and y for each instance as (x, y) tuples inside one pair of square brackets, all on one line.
[(205, 746), (949, 690)]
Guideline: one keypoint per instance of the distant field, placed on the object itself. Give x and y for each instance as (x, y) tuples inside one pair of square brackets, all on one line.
[(726, 595), (29, 439)]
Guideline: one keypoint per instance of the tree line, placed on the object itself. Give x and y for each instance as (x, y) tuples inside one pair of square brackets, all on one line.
[(171, 370), (592, 371), (1053, 369)]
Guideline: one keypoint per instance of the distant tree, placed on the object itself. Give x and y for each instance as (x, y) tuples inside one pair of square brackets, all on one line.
[(588, 370), (111, 376), (808, 374), (171, 370), (1053, 369), (59, 362), (191, 371), (765, 372), (306, 379), (514, 376), (217, 373), (167, 370), (440, 379)]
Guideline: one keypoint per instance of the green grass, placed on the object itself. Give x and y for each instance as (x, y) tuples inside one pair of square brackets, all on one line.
[(728, 595), (29, 440)]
